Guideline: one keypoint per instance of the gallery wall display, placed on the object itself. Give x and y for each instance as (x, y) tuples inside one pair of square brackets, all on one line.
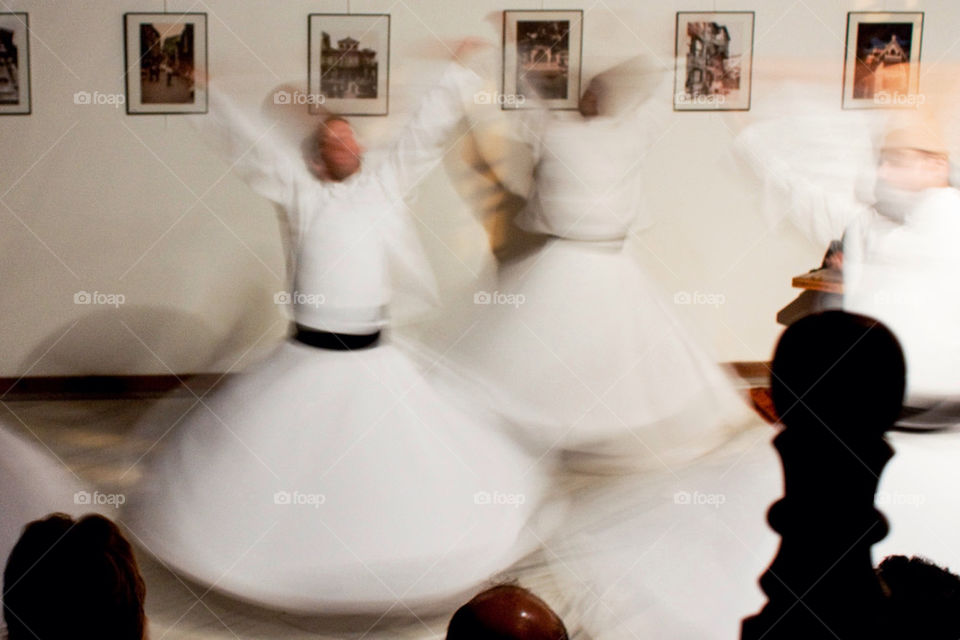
[(714, 61), (882, 65), (542, 55), (348, 67), (163, 52), (14, 64)]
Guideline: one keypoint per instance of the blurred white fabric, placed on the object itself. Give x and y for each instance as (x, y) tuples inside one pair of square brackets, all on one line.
[(404, 501), (577, 347), (905, 275), (328, 481)]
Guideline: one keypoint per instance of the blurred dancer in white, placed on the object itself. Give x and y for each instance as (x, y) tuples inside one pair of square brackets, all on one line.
[(900, 219), (581, 349), (901, 260), (332, 477)]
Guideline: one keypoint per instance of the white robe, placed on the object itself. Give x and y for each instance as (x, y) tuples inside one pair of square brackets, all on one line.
[(907, 275), (328, 481), (578, 347)]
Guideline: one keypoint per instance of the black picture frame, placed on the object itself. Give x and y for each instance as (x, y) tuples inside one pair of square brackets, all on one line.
[(134, 91), (854, 89), (15, 75), (512, 94)]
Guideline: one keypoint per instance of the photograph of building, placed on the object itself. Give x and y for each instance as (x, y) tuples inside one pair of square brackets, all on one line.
[(346, 70), (711, 70), (883, 59)]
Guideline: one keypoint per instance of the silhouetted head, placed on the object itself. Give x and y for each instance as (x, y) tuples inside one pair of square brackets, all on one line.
[(68, 579), (506, 612), (338, 148), (838, 369), (923, 599)]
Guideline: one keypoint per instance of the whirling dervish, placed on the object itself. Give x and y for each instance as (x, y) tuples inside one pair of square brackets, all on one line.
[(883, 185), (331, 477), (587, 357)]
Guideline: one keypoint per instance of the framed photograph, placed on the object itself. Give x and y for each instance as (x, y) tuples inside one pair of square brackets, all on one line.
[(14, 64), (714, 61), (348, 67), (542, 55), (162, 51), (881, 69)]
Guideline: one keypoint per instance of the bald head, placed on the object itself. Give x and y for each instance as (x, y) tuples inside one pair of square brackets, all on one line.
[(339, 150), (506, 612)]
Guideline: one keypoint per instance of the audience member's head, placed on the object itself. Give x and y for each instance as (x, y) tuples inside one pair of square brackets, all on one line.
[(924, 599), (838, 370), (69, 579), (506, 612)]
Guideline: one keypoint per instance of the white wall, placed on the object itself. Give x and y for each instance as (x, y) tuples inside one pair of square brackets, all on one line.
[(100, 201)]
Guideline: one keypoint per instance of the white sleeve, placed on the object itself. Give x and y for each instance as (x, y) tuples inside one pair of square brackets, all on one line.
[(252, 147), (425, 139), (820, 166)]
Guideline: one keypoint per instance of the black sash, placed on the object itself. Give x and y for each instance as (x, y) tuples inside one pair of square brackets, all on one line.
[(335, 341)]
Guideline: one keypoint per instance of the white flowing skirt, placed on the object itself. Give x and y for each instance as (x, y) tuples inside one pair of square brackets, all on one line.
[(579, 348), (337, 482)]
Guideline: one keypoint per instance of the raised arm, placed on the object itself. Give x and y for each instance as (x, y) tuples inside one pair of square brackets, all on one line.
[(813, 168), (426, 137), (252, 146)]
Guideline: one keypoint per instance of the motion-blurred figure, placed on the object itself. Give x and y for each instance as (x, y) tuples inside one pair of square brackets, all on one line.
[(884, 183), (332, 477), (578, 346), (901, 261)]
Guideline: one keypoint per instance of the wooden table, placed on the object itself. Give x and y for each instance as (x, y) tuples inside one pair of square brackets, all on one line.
[(826, 280), (822, 290)]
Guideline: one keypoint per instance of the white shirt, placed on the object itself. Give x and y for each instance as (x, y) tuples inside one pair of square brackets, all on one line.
[(588, 183), (908, 277), (344, 231)]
